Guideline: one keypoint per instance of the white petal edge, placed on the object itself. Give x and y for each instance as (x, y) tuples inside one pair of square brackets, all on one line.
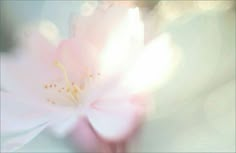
[(17, 142)]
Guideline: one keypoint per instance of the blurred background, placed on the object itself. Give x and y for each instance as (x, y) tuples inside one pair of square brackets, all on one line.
[(195, 108)]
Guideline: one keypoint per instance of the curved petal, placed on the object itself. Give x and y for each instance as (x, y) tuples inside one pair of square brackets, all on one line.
[(123, 44), (84, 137), (105, 20), (31, 69), (16, 142), (115, 119), (17, 115), (24, 120), (153, 66)]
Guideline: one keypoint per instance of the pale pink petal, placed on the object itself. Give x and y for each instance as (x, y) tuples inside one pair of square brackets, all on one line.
[(18, 115), (115, 119), (78, 57), (103, 20), (84, 137), (30, 70)]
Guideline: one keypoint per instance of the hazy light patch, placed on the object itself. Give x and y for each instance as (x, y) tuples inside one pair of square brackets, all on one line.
[(87, 8), (154, 65), (49, 31), (209, 5), (119, 46), (169, 10)]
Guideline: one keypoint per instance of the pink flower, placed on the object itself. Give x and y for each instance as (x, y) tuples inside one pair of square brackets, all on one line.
[(88, 87)]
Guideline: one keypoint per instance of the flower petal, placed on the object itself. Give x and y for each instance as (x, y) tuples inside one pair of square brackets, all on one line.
[(78, 57), (153, 66), (84, 137), (31, 69), (104, 21), (123, 44), (17, 115), (115, 119), (15, 142)]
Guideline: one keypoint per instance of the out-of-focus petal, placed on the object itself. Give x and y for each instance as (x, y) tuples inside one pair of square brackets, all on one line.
[(84, 137), (103, 20), (123, 44), (35, 43), (153, 66)]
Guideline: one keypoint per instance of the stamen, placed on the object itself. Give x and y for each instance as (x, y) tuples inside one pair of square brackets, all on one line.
[(71, 88), (62, 68)]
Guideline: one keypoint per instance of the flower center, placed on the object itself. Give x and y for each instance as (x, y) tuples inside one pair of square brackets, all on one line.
[(66, 89), (63, 90), (71, 89)]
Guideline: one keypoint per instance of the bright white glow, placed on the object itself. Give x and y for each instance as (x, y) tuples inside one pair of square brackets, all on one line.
[(153, 66), (49, 31), (123, 43)]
